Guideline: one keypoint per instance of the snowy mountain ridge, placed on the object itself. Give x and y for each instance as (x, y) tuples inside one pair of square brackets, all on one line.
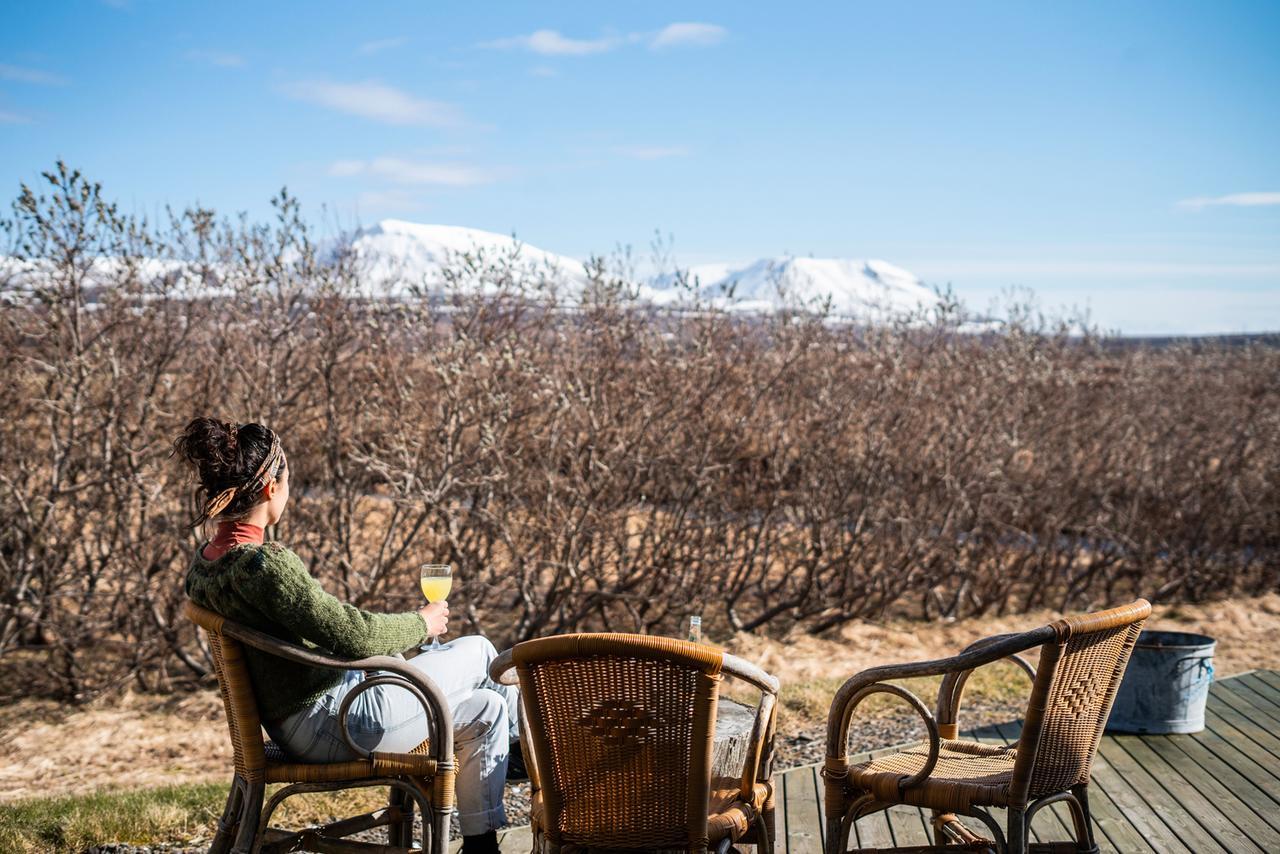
[(396, 255)]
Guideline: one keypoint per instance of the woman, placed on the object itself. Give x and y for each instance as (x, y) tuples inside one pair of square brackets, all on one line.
[(244, 479)]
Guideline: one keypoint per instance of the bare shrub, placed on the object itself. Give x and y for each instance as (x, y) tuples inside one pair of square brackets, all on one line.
[(611, 466)]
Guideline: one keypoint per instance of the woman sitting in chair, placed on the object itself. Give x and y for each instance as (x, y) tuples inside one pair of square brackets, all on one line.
[(244, 478)]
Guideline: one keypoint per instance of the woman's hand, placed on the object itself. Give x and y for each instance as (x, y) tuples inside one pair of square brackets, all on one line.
[(436, 616)]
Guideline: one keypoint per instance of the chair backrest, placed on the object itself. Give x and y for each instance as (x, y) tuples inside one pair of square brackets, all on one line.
[(622, 729), (1076, 682), (237, 693)]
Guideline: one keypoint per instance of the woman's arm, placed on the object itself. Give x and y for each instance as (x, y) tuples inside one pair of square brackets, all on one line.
[(287, 593)]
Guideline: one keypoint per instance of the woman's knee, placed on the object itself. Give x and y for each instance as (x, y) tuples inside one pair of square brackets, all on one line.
[(480, 713)]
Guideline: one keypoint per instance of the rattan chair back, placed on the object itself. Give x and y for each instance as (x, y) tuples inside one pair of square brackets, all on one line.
[(622, 729), (229, 665), (1076, 682)]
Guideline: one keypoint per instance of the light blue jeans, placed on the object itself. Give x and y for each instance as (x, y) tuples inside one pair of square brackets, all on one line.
[(387, 718)]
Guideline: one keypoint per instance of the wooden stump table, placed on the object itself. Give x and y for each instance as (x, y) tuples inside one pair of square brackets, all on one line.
[(734, 722)]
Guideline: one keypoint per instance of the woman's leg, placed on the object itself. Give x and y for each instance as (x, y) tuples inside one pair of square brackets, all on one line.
[(461, 667), (483, 725), (481, 743)]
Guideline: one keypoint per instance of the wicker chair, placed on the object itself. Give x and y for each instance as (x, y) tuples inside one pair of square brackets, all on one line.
[(619, 734), (425, 776), (1082, 660)]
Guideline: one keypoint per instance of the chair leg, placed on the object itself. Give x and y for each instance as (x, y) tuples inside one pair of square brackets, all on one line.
[(437, 825), (1083, 819), (250, 817), (230, 820), (1018, 832), (398, 801), (769, 818)]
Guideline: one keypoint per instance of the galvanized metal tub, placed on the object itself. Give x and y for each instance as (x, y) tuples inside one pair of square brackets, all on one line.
[(1166, 686)]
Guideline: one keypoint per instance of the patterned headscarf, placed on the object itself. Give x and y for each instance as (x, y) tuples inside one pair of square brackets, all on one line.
[(266, 473)]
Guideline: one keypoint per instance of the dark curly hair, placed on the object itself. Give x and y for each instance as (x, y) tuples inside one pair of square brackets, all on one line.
[(225, 455)]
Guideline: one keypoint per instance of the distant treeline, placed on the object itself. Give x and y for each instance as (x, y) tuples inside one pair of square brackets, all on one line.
[(598, 468)]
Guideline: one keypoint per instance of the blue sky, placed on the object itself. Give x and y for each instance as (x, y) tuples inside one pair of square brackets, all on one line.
[(1119, 156)]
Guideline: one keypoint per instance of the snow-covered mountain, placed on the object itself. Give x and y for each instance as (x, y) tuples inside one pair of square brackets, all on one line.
[(854, 288), (396, 255), (397, 258)]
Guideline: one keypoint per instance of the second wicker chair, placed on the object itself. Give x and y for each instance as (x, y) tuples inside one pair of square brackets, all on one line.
[(1082, 660)]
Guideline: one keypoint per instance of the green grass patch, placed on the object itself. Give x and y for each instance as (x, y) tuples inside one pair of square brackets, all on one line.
[(165, 815), (72, 823)]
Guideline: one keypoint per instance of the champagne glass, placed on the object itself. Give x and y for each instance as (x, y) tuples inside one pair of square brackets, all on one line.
[(436, 580)]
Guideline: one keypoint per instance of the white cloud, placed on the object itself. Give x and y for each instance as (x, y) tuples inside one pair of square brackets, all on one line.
[(379, 45), (346, 168), (1244, 200), (18, 74), (688, 35), (652, 152), (7, 118), (375, 101), (398, 170), (552, 43), (220, 58), (384, 200)]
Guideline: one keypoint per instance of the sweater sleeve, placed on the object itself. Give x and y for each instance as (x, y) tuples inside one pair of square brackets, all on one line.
[(292, 597)]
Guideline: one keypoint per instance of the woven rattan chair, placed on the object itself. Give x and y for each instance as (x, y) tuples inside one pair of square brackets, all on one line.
[(424, 776), (619, 734), (1082, 660)]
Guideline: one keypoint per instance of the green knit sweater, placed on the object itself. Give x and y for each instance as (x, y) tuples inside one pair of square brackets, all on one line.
[(268, 588)]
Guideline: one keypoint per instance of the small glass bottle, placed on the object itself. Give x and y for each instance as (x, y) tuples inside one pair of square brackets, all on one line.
[(695, 628)]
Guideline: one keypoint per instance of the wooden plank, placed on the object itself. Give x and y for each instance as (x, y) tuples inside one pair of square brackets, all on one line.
[(804, 817), (1236, 712), (904, 823), (1268, 694), (1181, 828), (1271, 677), (1255, 707), (1187, 794), (1136, 812), (516, 838), (1110, 825), (779, 814), (1232, 793), (1221, 739)]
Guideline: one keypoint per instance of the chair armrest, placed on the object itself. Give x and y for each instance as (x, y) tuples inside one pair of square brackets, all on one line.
[(748, 672), (501, 669), (758, 764), (850, 692), (421, 686)]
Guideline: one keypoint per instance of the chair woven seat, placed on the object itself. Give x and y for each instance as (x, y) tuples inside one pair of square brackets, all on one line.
[(968, 773)]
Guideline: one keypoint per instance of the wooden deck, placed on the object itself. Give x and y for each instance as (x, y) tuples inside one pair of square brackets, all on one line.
[(1215, 791)]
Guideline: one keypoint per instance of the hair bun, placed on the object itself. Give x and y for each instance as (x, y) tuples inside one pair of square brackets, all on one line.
[(210, 445)]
